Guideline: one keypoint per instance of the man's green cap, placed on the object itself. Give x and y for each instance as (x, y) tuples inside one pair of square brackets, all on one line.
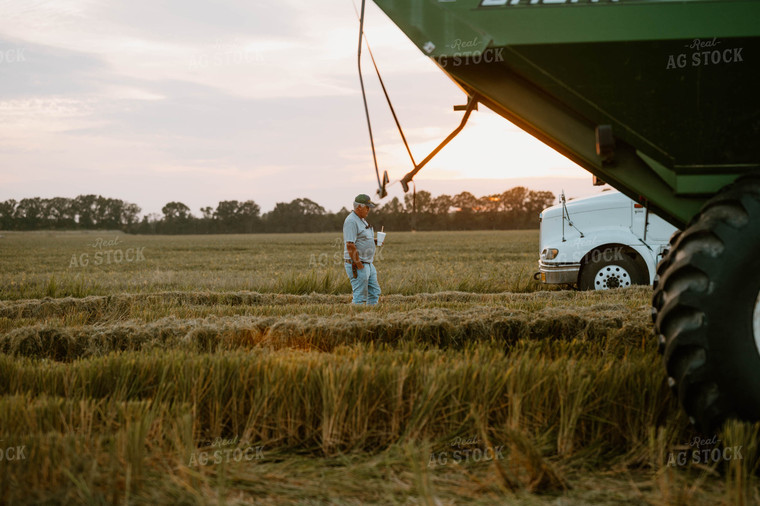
[(364, 200)]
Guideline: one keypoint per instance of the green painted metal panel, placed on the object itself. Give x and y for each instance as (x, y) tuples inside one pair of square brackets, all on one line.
[(674, 79), (565, 22)]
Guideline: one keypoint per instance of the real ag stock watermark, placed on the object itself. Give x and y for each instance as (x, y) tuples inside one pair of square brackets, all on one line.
[(580, 250), (222, 450), (703, 53), (106, 252), (466, 52), (336, 258), (463, 450), (704, 451), (11, 453), (613, 254), (12, 55), (226, 53)]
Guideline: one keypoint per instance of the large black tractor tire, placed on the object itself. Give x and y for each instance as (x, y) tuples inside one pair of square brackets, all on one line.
[(707, 311), (662, 266)]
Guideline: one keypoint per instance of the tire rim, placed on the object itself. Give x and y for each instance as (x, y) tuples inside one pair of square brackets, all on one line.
[(756, 322), (614, 276)]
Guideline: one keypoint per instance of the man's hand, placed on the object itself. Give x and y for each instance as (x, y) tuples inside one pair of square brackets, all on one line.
[(353, 253)]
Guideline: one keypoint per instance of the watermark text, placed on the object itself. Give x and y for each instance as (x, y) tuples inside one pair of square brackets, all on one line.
[(106, 254), (704, 451), (12, 453), (15, 55), (225, 450), (462, 450)]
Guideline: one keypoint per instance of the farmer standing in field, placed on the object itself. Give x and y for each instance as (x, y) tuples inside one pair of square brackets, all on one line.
[(359, 252)]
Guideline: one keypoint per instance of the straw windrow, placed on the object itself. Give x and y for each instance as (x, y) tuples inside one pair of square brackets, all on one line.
[(221, 391)]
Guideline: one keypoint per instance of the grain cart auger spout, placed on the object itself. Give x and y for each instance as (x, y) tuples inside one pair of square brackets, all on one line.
[(657, 98), (472, 105)]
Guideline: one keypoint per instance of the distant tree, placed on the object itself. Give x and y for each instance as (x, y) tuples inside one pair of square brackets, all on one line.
[(31, 214), (309, 207), (335, 221), (490, 203), (225, 216), (515, 208), (59, 213), (536, 202), (420, 209), (238, 217), (514, 199), (442, 204), (299, 215), (130, 216), (248, 212), (176, 211), (109, 212), (84, 208), (8, 215), (393, 206), (490, 213), (149, 224), (177, 219), (208, 212), (391, 215), (465, 201), (466, 204), (421, 202)]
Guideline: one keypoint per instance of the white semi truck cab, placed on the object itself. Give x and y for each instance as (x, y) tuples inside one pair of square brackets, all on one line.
[(600, 242)]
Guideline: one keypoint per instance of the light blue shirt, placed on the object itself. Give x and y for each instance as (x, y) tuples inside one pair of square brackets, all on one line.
[(359, 232)]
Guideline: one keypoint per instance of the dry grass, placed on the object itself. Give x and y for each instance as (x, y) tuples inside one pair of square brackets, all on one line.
[(117, 380), (104, 326), (40, 264)]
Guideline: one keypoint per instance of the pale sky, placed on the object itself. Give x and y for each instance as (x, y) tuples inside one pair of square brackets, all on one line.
[(154, 101)]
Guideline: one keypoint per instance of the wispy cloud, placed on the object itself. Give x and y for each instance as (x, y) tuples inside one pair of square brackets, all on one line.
[(229, 99)]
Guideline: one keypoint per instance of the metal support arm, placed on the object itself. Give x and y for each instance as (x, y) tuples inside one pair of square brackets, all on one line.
[(472, 104)]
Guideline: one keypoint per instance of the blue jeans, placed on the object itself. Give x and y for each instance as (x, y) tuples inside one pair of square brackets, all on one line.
[(365, 287)]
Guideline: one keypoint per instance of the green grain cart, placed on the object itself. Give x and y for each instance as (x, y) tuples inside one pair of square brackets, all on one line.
[(660, 99)]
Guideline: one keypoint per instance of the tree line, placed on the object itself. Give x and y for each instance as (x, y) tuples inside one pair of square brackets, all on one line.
[(513, 209)]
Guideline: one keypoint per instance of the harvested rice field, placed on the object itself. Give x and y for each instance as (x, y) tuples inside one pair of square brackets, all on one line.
[(233, 370)]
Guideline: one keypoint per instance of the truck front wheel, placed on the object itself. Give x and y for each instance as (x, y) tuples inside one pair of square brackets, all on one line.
[(707, 309), (609, 268)]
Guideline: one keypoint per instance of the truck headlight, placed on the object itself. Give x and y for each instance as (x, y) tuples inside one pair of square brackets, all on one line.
[(550, 253)]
